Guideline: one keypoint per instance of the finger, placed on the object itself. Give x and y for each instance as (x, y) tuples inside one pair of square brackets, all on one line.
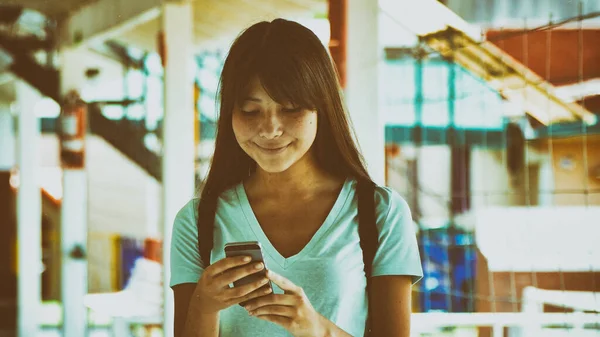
[(274, 299), (260, 292), (227, 263), (279, 310), (283, 283), (244, 290), (279, 320), (231, 275)]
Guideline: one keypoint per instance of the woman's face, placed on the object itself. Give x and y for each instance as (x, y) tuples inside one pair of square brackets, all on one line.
[(275, 135)]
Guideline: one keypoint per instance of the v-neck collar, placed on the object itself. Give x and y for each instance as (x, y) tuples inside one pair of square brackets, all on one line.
[(266, 243)]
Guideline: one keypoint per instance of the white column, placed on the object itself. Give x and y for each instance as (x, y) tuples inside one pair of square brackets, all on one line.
[(74, 219), (362, 94), (74, 223), (178, 130), (153, 210), (546, 182), (7, 138), (29, 212)]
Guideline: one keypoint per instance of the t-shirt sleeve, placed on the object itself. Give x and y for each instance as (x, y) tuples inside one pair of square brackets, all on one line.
[(398, 252), (186, 266)]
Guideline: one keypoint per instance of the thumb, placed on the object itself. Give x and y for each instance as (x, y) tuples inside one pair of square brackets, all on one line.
[(283, 283)]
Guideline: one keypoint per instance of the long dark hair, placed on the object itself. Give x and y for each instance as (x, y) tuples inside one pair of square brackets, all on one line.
[(293, 66)]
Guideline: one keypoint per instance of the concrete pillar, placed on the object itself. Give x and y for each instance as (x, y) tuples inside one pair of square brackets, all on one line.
[(178, 130), (546, 182), (29, 213), (362, 93), (74, 219), (153, 208), (7, 138), (8, 227)]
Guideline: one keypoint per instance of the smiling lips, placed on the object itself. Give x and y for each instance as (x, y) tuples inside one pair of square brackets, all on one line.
[(272, 150)]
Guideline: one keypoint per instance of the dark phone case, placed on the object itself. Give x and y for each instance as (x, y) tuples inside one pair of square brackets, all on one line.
[(256, 254), (256, 257)]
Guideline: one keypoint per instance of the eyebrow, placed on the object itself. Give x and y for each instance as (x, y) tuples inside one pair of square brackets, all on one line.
[(252, 99)]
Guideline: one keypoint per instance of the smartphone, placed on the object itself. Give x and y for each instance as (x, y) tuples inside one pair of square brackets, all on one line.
[(252, 249)]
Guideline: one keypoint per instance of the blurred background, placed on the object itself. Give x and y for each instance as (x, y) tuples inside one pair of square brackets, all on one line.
[(482, 114)]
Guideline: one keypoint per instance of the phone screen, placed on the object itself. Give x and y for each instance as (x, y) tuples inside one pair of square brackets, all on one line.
[(252, 249)]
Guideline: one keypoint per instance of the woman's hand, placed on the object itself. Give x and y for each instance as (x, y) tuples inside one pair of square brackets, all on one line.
[(213, 291), (292, 310)]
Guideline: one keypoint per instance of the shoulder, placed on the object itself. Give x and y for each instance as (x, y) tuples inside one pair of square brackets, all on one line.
[(189, 212), (389, 203), (392, 214), (186, 218), (189, 209), (185, 260), (398, 251)]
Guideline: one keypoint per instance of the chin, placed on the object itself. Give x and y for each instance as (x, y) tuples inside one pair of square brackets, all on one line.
[(274, 167), (277, 163)]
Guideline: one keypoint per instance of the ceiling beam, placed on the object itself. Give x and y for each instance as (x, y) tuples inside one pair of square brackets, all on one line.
[(579, 91), (106, 19)]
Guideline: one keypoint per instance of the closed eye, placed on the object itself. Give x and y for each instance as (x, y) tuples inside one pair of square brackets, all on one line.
[(251, 112)]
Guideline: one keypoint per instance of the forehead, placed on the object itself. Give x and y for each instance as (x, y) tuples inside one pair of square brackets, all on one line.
[(255, 88), (254, 91)]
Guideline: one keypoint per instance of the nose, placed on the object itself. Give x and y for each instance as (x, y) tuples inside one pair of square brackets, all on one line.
[(270, 126)]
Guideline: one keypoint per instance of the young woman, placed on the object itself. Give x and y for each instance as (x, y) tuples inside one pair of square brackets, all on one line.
[(284, 173)]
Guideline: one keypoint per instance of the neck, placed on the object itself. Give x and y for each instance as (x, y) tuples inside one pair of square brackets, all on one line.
[(304, 177)]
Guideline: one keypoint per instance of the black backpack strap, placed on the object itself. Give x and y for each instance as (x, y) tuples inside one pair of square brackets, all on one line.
[(367, 231), (205, 225)]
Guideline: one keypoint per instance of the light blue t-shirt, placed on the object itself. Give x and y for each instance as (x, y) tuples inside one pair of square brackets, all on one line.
[(329, 268)]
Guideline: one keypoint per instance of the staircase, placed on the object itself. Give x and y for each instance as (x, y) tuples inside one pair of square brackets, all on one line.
[(127, 136)]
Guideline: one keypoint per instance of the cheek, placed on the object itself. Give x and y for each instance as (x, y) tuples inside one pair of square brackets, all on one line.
[(309, 127), (241, 129)]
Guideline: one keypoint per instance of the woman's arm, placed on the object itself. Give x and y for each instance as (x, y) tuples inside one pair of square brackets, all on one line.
[(189, 319), (390, 302)]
